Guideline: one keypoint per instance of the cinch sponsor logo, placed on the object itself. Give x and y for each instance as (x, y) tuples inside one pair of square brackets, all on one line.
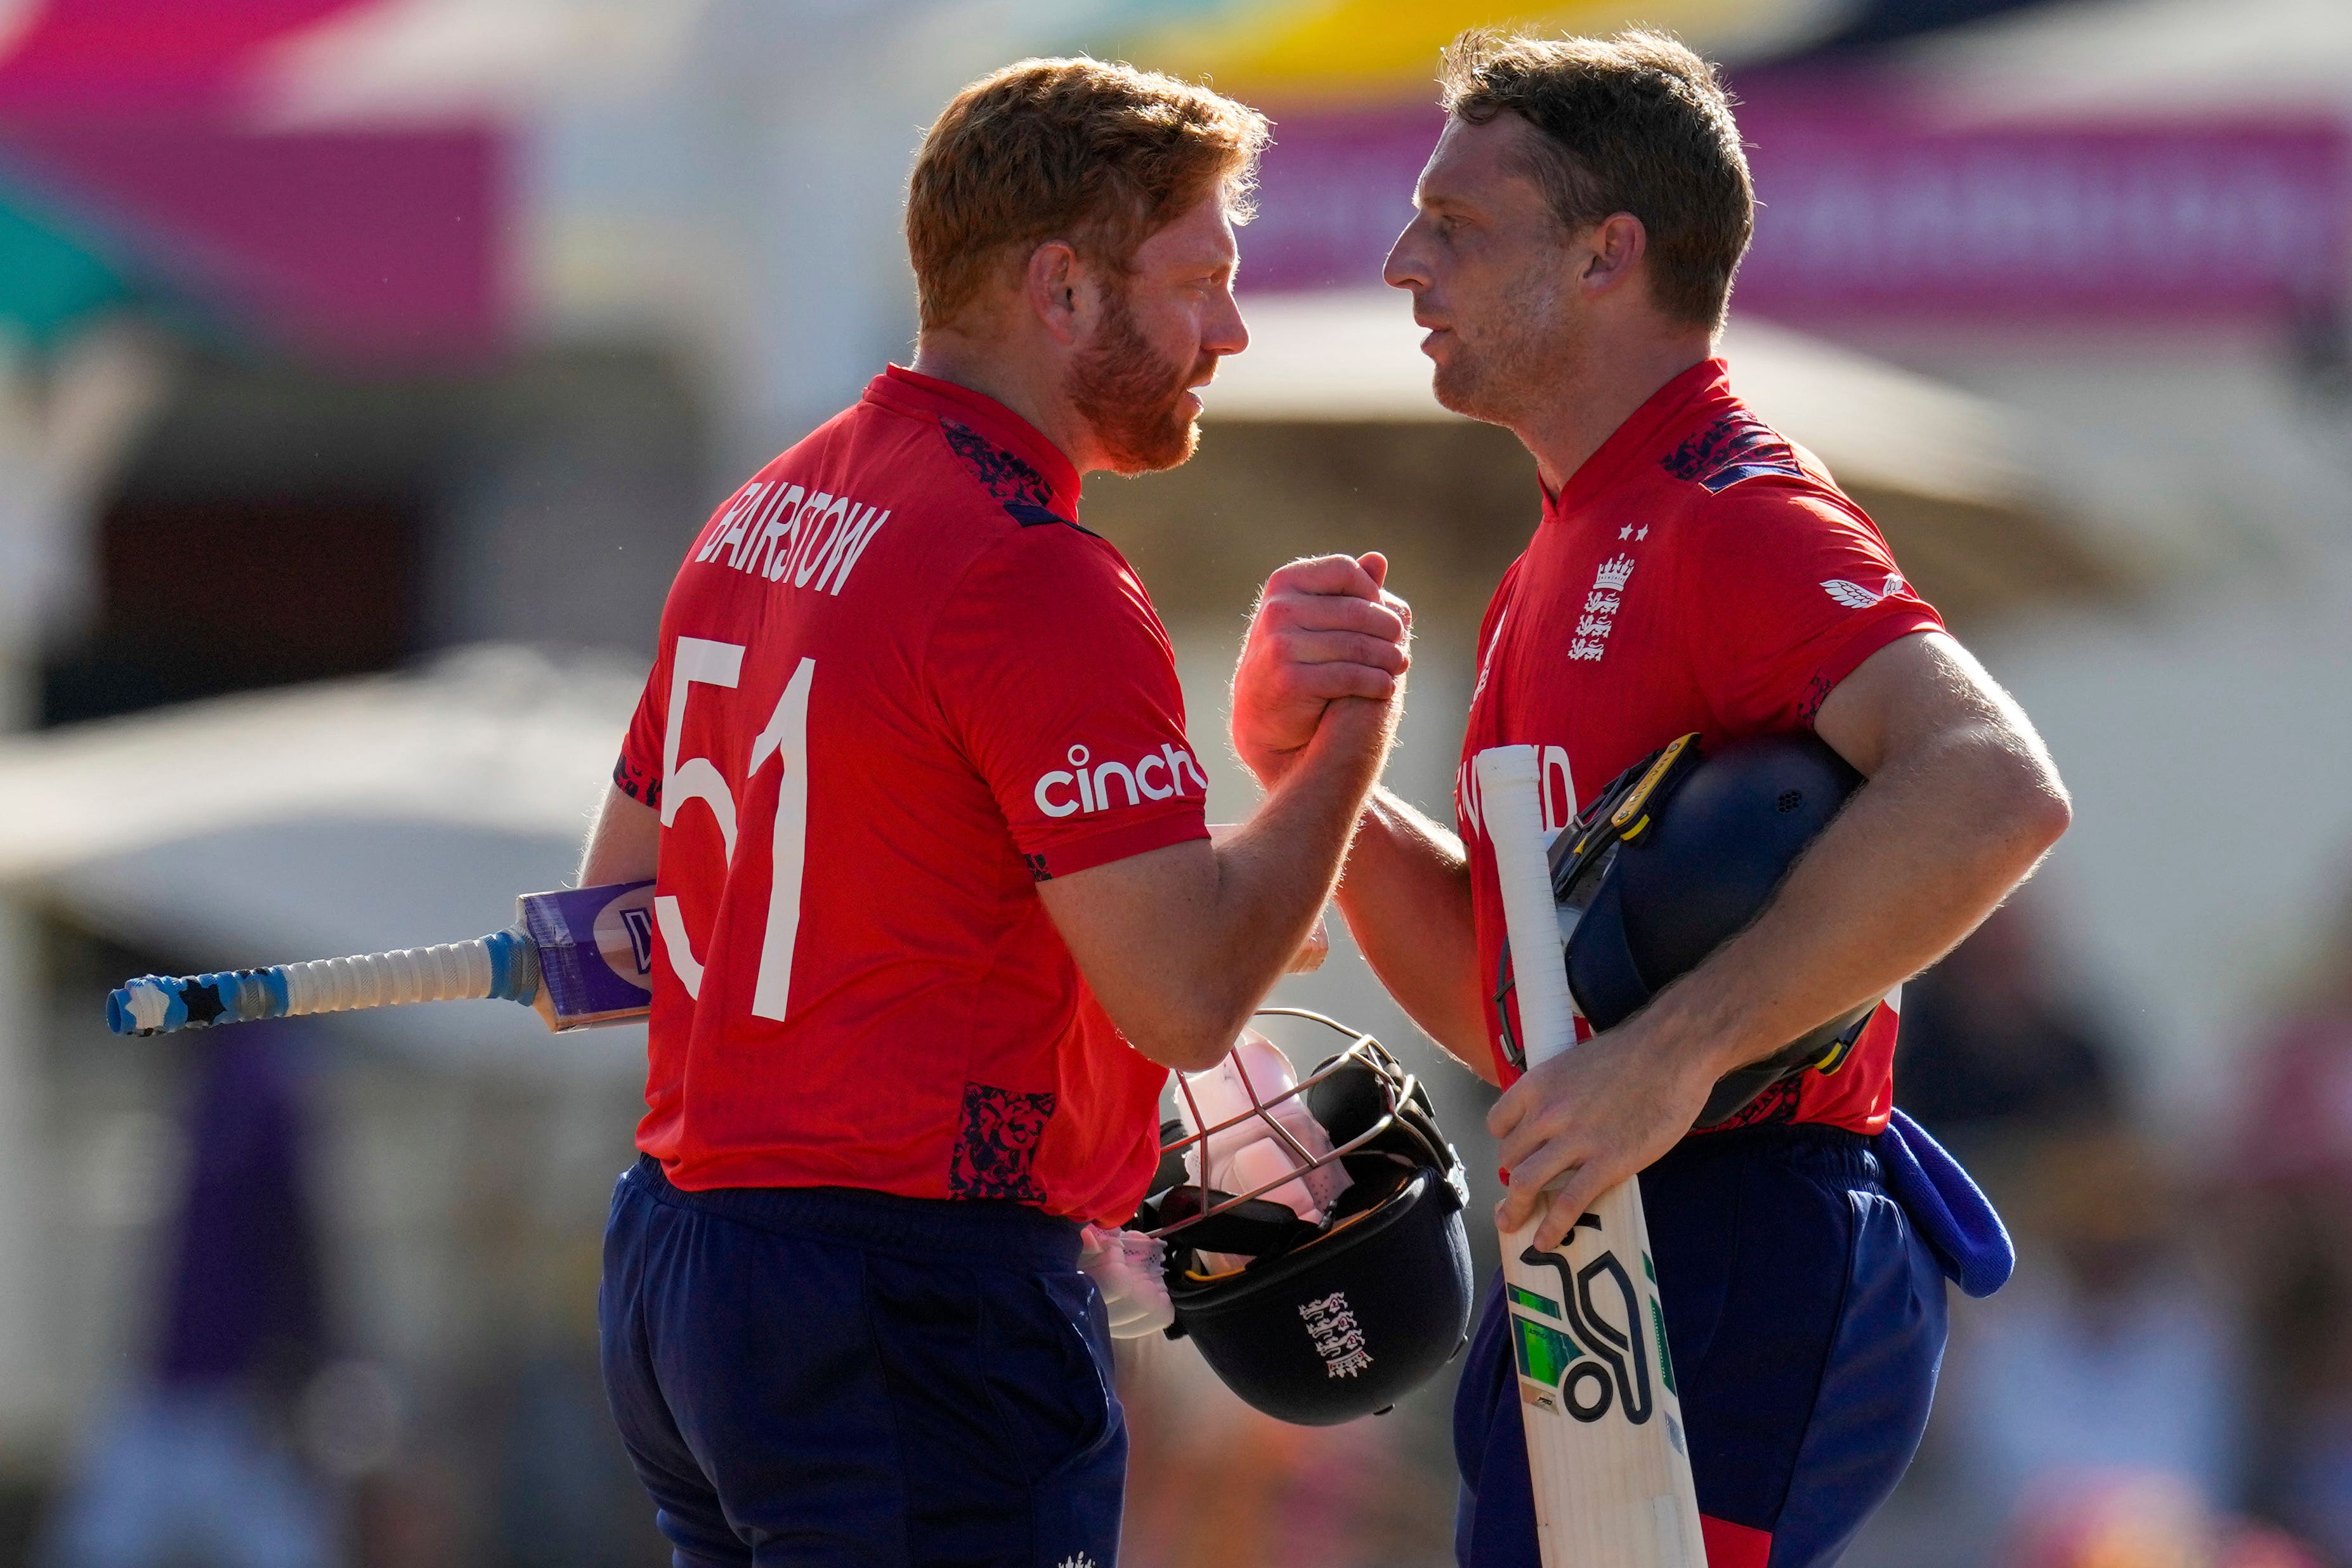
[(1087, 788), (782, 532)]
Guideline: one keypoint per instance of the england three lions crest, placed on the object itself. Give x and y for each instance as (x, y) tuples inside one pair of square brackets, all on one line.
[(1338, 1339), (1600, 606)]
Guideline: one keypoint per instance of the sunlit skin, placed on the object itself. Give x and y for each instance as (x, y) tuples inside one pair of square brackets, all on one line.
[(1103, 362), (1549, 333), (1554, 335)]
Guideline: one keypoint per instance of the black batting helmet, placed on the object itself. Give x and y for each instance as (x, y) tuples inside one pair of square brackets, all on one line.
[(1677, 855), (1323, 1322)]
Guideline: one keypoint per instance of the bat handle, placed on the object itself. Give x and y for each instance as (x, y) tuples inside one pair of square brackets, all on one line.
[(503, 964), (1511, 804)]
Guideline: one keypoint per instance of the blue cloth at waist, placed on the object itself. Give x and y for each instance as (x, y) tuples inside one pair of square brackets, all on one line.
[(1951, 1212)]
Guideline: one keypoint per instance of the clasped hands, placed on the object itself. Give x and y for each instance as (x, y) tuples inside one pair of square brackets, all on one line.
[(1326, 629)]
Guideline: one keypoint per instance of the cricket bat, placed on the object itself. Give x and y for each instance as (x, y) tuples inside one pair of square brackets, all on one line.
[(578, 956), (1606, 1451)]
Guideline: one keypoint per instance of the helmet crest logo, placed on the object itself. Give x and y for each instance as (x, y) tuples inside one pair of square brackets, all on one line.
[(1316, 1252), (1336, 1338)]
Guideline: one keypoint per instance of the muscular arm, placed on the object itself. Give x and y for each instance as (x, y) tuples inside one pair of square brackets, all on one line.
[(1406, 896), (1406, 892), (1181, 944), (1962, 802)]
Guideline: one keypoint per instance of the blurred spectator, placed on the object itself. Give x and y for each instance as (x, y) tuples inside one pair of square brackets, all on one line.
[(1993, 1047), (201, 1466), (2294, 1162), (2111, 1355)]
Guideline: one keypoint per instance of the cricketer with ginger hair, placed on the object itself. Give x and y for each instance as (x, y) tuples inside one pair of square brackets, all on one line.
[(915, 997)]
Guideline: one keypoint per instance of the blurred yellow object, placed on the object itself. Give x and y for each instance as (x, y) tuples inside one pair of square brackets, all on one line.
[(1382, 48)]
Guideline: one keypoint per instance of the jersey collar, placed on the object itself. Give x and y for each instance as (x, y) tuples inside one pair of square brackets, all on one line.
[(1639, 438), (929, 397)]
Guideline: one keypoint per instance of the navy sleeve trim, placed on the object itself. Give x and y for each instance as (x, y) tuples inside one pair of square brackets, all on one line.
[(1734, 448), (1029, 516), (636, 783), (1014, 483)]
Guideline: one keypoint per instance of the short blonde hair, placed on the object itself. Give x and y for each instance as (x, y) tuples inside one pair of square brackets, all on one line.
[(1635, 123), (1099, 154)]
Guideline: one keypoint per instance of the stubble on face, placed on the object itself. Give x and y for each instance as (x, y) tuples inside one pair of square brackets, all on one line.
[(1508, 349), (1133, 395)]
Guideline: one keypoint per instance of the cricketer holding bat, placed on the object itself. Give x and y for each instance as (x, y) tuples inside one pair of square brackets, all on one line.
[(1571, 258), (934, 907)]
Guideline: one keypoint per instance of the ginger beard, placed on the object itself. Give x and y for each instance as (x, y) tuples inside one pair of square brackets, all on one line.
[(1133, 397)]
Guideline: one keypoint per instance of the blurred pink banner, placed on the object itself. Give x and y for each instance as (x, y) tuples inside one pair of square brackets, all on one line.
[(130, 120), (1862, 213), (355, 246), (2105, 222)]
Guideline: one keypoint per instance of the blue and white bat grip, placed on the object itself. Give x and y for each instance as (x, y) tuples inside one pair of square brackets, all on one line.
[(502, 965)]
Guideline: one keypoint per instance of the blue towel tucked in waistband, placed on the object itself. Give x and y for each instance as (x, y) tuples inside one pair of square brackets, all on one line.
[(1952, 1213)]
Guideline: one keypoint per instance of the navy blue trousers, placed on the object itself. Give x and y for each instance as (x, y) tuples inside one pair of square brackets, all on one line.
[(825, 1376), (1806, 1318)]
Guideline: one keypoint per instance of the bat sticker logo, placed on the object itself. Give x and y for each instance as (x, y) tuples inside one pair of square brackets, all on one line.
[(1625, 1385), (623, 931), (639, 924)]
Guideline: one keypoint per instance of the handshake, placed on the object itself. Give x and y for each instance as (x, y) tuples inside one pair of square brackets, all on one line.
[(1327, 655), (1322, 673)]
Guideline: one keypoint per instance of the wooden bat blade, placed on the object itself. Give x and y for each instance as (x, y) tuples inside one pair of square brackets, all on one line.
[(1607, 1456), (1606, 1449), (595, 952)]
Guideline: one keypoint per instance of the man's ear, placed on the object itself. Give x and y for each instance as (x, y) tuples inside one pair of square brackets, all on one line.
[(1059, 291), (1611, 252)]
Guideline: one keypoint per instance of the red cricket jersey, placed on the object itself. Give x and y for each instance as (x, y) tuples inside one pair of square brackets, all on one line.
[(1699, 572), (897, 687)]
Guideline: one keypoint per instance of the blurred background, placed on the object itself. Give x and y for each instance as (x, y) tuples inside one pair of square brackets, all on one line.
[(365, 366)]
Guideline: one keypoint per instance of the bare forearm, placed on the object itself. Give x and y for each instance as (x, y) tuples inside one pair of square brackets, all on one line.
[(1962, 802), (1276, 871), (1181, 944), (1406, 897), (624, 846), (1875, 900)]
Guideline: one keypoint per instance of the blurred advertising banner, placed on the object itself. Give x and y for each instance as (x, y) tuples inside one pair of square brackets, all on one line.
[(2100, 222), (1867, 216), (147, 143), (351, 245)]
